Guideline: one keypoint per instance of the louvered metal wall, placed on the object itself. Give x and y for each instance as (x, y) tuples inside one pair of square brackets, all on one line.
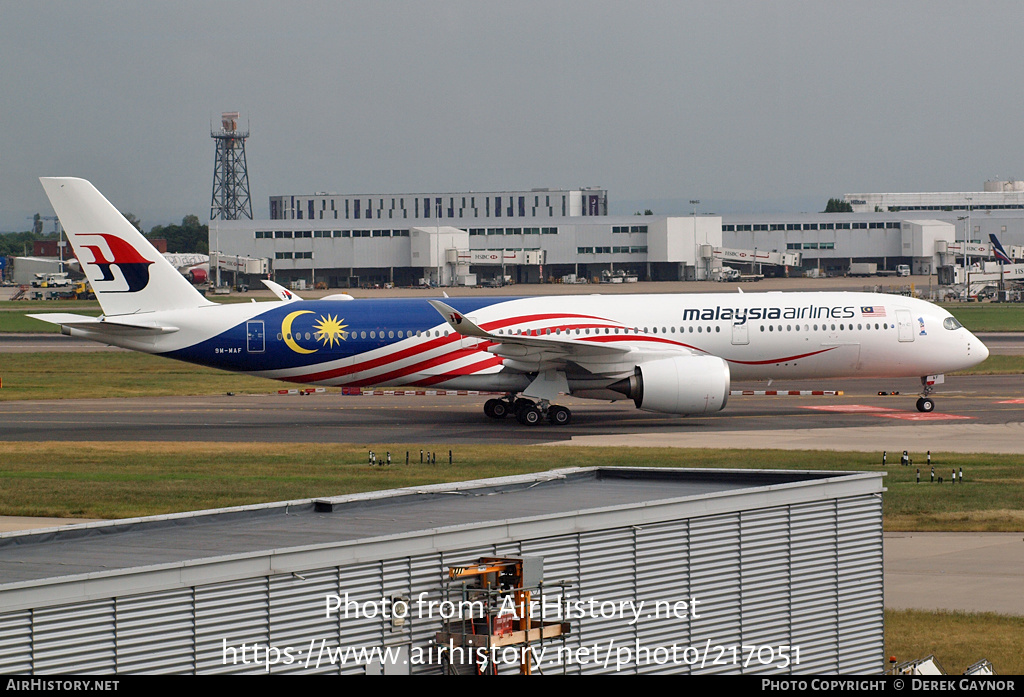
[(805, 575)]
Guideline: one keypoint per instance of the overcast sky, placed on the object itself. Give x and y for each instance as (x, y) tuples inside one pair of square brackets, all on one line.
[(745, 105)]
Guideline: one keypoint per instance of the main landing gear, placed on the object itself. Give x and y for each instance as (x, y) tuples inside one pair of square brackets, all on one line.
[(526, 411)]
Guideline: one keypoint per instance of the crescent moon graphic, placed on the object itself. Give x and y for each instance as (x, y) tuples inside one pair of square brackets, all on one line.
[(286, 332)]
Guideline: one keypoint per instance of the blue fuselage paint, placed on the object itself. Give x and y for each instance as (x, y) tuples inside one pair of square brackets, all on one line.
[(368, 325)]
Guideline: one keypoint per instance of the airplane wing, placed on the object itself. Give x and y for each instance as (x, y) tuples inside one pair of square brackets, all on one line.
[(550, 355), (522, 346)]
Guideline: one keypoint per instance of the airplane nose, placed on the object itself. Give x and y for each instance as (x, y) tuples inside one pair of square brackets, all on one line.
[(977, 349)]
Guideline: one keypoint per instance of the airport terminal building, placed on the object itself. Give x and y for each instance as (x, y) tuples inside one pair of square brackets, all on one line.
[(997, 195), (447, 251), (535, 203), (546, 235)]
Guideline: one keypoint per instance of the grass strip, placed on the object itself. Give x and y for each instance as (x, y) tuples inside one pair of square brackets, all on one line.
[(956, 639), (988, 317), (118, 479)]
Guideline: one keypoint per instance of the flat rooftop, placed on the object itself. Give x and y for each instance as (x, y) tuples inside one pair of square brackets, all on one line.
[(27, 558)]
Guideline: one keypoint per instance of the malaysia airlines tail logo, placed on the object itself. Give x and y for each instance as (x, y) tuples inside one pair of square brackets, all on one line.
[(133, 267)]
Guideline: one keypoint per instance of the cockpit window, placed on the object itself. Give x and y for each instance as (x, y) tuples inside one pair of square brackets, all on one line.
[(951, 323)]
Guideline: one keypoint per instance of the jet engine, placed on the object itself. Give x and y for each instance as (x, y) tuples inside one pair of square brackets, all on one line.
[(680, 385)]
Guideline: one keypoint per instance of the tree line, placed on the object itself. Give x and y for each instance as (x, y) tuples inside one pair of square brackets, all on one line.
[(189, 237)]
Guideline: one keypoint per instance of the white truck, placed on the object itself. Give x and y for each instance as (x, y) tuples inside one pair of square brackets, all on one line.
[(871, 269), (727, 273), (864, 268)]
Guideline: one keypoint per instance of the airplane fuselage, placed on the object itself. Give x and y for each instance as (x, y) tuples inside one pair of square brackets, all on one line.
[(405, 342)]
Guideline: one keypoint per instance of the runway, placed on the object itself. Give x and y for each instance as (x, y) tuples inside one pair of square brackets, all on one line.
[(973, 414)]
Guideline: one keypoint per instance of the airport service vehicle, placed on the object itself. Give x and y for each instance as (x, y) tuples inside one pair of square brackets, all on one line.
[(863, 269), (675, 354)]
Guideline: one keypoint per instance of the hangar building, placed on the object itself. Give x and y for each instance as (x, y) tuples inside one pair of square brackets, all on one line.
[(786, 562)]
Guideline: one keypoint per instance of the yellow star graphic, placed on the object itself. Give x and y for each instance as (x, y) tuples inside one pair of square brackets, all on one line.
[(330, 330)]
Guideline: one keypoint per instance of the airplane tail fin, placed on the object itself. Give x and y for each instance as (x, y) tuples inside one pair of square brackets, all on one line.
[(997, 249), (127, 273)]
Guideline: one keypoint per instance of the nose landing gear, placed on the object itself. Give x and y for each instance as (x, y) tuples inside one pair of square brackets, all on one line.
[(926, 404)]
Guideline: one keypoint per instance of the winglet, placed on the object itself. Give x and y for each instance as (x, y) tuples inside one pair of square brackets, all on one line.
[(457, 321), (280, 291)]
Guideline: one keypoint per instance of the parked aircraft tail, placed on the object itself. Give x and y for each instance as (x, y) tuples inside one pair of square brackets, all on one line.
[(128, 274), (997, 249)]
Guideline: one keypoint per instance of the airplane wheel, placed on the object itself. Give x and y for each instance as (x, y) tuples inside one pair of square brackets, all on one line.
[(496, 408), (559, 416), (926, 405), (529, 415)]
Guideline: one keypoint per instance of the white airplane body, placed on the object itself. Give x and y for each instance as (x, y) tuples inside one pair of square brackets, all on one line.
[(669, 353)]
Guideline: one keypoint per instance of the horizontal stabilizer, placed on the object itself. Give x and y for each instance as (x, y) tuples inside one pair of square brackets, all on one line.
[(119, 325)]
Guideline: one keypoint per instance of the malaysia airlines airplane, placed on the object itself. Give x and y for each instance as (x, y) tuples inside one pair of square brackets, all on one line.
[(674, 354)]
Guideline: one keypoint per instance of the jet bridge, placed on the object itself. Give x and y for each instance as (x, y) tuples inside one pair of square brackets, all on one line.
[(756, 256)]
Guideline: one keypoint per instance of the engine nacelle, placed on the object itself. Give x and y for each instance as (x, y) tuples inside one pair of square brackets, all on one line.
[(680, 385)]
